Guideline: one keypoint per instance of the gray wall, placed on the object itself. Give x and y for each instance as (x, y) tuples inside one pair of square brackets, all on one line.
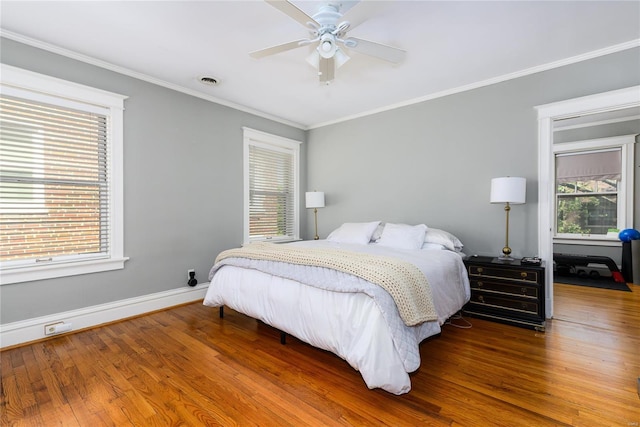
[(182, 189), (433, 162)]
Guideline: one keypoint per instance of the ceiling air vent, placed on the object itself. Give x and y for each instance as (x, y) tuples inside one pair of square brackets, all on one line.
[(209, 81)]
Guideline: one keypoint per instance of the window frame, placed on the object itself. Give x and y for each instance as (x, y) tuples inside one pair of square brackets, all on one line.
[(50, 89), (624, 193), (268, 141)]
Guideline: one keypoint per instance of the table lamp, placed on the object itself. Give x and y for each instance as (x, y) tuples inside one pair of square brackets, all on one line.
[(511, 191), (315, 200)]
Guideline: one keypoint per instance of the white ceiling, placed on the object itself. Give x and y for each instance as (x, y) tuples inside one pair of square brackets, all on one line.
[(451, 45)]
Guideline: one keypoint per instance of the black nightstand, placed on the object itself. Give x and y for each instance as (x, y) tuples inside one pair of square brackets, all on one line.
[(506, 292)]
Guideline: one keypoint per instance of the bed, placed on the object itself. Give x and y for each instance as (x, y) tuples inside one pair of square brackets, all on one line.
[(346, 312)]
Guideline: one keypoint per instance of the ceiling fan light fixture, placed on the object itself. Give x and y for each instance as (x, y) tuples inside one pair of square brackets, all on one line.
[(314, 59), (327, 46), (340, 58)]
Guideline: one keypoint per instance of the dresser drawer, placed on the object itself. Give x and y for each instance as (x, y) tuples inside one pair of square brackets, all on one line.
[(502, 303), (506, 292), (511, 288), (502, 273)]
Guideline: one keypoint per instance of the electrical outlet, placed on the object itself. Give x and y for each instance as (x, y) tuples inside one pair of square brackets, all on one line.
[(50, 329), (57, 328), (191, 270)]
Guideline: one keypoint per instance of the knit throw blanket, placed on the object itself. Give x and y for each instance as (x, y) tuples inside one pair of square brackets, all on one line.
[(406, 284)]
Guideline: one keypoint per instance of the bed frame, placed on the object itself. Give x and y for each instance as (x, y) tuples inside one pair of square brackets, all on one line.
[(283, 335)]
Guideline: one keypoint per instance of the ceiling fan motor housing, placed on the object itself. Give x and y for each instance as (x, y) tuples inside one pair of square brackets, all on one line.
[(327, 17)]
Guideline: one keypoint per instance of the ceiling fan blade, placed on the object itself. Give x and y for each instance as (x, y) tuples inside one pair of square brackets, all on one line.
[(326, 69), (278, 48), (358, 12), (388, 53), (292, 11)]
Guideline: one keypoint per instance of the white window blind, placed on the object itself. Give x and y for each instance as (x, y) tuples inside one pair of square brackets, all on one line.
[(272, 187), (598, 165), (54, 194), (61, 178)]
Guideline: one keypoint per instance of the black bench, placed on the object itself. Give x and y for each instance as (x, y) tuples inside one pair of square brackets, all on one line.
[(570, 261)]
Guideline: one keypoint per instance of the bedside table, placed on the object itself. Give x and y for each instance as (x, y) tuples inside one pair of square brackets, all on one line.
[(506, 292)]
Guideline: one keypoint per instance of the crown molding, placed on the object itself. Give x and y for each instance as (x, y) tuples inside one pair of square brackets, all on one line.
[(140, 76), (505, 77), (510, 76)]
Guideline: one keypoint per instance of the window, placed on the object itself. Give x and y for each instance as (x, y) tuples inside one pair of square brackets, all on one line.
[(60, 178), (594, 188), (271, 175)]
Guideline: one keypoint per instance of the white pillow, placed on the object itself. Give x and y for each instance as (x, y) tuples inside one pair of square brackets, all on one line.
[(444, 238), (403, 236), (353, 232)]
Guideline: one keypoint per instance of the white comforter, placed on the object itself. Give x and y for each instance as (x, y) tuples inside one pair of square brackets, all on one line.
[(348, 316)]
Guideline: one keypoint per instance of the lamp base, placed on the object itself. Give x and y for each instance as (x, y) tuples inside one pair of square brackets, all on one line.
[(505, 258), (506, 253)]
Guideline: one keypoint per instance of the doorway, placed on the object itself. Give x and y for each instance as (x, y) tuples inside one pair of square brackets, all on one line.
[(599, 110)]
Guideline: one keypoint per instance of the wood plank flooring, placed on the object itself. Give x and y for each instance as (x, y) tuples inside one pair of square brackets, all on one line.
[(186, 366)]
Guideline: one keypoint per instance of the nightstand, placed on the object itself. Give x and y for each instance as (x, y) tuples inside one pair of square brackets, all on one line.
[(506, 292)]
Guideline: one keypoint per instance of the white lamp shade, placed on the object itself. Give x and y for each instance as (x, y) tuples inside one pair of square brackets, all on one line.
[(508, 189), (314, 199)]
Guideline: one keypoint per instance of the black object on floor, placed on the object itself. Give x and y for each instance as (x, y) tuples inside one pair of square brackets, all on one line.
[(592, 282), (569, 263)]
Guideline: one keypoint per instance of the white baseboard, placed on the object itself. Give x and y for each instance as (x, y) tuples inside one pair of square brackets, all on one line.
[(33, 329)]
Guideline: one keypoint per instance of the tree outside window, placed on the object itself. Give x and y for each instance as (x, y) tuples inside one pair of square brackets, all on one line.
[(587, 207)]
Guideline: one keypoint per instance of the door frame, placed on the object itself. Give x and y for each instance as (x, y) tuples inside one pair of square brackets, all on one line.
[(547, 113)]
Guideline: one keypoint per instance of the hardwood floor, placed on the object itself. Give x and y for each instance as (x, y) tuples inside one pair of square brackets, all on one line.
[(186, 366)]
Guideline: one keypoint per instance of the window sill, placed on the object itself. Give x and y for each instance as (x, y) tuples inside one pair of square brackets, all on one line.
[(282, 240), (288, 241), (587, 241), (51, 271)]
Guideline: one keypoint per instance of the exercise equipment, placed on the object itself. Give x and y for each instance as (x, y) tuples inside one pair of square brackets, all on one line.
[(571, 261)]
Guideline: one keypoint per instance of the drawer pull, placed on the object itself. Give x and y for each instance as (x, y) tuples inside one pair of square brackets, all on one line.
[(523, 290), (481, 299), (523, 274), (480, 284), (480, 270)]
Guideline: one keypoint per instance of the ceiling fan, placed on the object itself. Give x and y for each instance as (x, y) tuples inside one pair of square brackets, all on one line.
[(330, 34)]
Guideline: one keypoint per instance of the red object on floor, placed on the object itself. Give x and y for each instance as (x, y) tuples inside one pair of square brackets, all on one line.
[(617, 276)]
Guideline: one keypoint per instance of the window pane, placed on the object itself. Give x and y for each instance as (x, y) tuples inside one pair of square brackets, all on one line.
[(271, 187), (607, 186), (594, 188), (566, 188), (53, 181), (586, 214), (586, 187), (61, 174)]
